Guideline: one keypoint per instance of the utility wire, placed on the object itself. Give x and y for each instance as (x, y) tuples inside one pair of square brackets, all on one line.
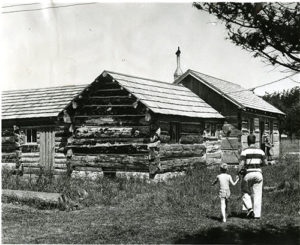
[(276, 81), (251, 89), (16, 5), (50, 7)]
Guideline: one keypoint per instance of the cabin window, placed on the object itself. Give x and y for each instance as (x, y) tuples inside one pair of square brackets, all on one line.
[(210, 129), (218, 129), (30, 135), (175, 131)]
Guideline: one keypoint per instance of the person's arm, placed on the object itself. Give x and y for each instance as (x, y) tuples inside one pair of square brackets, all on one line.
[(215, 182), (264, 161), (236, 180), (242, 162), (268, 144)]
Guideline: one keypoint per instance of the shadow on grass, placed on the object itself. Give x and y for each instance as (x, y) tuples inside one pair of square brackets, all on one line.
[(237, 215), (229, 234), (231, 215)]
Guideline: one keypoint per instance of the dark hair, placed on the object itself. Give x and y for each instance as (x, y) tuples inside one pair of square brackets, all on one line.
[(251, 139), (223, 170)]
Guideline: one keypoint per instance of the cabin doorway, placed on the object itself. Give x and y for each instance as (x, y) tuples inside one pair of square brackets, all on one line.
[(47, 149), (262, 131)]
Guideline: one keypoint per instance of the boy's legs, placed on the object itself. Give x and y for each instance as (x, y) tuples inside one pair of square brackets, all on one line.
[(223, 208), (257, 195), (246, 198)]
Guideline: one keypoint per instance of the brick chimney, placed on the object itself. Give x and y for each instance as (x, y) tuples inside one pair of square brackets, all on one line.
[(178, 72)]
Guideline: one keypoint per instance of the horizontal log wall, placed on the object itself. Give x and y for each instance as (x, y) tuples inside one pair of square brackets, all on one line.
[(11, 140), (180, 157), (213, 152), (109, 132), (30, 157), (26, 156), (62, 135)]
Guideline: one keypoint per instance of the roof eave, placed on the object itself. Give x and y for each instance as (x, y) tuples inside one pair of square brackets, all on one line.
[(279, 113)]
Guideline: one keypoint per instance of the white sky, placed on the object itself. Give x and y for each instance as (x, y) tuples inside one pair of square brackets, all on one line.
[(73, 45)]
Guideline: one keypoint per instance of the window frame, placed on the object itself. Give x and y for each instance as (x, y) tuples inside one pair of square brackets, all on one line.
[(33, 135)]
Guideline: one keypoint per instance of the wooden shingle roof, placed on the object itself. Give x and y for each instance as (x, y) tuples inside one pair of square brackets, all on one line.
[(235, 93), (159, 97), (41, 102), (166, 98)]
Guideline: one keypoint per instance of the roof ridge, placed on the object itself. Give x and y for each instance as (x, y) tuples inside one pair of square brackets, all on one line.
[(216, 78), (183, 89), (29, 89), (233, 96), (153, 80)]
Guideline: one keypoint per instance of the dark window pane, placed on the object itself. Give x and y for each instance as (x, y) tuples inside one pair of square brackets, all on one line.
[(34, 133), (29, 135)]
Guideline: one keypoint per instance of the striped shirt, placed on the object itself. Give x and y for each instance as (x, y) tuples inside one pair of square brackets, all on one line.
[(253, 157)]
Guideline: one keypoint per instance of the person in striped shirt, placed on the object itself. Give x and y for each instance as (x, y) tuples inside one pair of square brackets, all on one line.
[(252, 159)]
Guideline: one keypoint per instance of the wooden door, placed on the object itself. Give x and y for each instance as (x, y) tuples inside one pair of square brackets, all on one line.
[(47, 149)]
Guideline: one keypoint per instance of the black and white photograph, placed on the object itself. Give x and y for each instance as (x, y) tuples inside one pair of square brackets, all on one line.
[(150, 122)]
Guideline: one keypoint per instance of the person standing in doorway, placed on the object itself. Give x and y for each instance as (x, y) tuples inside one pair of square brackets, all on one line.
[(269, 151), (252, 159)]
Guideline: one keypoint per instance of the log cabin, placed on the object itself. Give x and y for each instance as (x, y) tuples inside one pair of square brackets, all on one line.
[(244, 111), (104, 126)]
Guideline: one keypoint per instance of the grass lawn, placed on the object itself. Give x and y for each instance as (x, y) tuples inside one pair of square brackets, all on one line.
[(185, 210)]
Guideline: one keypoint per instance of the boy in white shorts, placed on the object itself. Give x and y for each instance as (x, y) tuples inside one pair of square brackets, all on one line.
[(224, 181)]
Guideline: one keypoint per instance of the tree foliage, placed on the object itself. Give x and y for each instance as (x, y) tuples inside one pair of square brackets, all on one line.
[(269, 30), (289, 102)]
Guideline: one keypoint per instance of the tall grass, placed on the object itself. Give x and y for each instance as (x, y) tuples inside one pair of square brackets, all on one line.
[(290, 145), (185, 194)]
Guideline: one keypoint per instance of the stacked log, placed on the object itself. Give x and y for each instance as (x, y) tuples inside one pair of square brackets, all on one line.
[(9, 146), (179, 157), (110, 134), (213, 152), (181, 151), (29, 157), (109, 162), (97, 149), (62, 133), (181, 164), (9, 157), (43, 198), (12, 139)]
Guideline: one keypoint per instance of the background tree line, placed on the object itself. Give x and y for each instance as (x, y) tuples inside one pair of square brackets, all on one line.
[(288, 101), (270, 31)]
